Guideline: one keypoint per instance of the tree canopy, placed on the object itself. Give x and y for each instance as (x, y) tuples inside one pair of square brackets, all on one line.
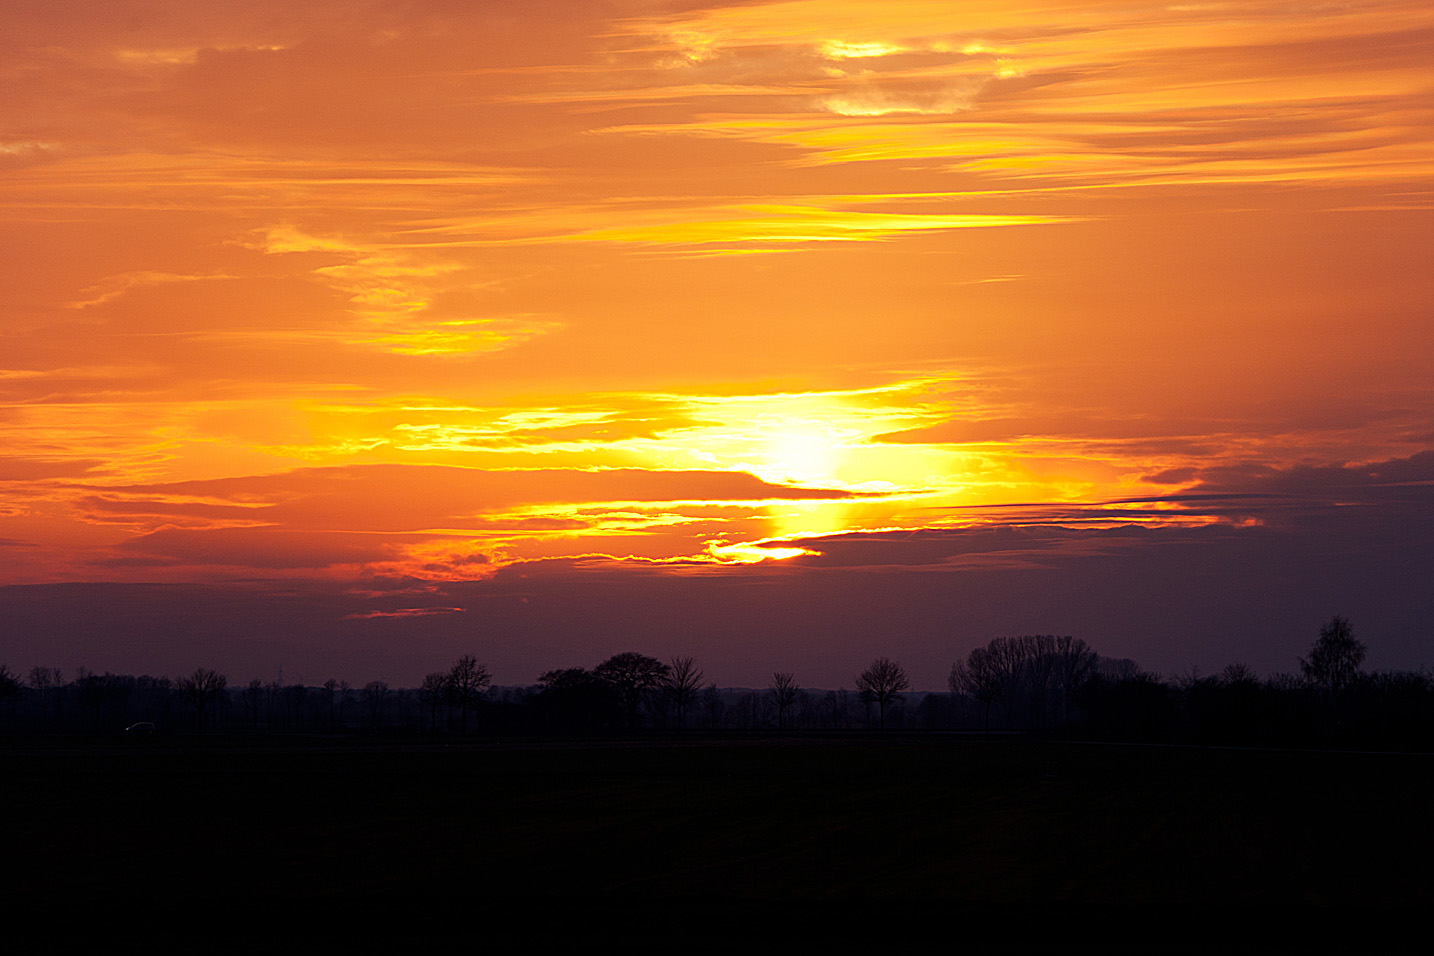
[(881, 684), (632, 676), (1335, 657)]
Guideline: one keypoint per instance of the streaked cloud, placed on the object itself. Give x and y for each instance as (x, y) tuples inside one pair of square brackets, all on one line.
[(783, 224)]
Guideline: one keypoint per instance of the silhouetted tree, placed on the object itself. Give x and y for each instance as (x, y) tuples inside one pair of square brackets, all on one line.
[(1238, 673), (1036, 675), (345, 696), (432, 694), (330, 686), (297, 699), (46, 681), (881, 684), (981, 677), (10, 690), (573, 699), (784, 691), (1188, 678), (162, 695), (1335, 657), (375, 697), (1058, 666), (468, 680), (251, 696), (91, 688), (682, 684), (753, 711), (632, 677), (713, 707), (1137, 707), (273, 709), (201, 689), (836, 709)]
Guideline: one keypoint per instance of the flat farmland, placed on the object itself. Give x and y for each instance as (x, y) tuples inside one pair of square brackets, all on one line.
[(814, 827)]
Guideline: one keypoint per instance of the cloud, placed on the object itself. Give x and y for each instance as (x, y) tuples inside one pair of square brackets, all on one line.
[(24, 468), (1408, 480), (787, 224), (1167, 597), (119, 285), (398, 498), (403, 612), (271, 549)]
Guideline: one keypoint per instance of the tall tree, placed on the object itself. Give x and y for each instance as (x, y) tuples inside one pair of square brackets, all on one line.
[(712, 707), (468, 681), (981, 677), (682, 685), (632, 677), (375, 697), (784, 691), (46, 680), (433, 694), (330, 686), (251, 696), (881, 684), (574, 699), (201, 689), (1036, 675), (1335, 657), (10, 688), (345, 696)]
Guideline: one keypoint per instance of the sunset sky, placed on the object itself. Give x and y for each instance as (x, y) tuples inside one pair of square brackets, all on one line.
[(350, 337)]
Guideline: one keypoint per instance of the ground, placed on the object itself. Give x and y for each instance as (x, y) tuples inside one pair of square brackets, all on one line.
[(983, 835)]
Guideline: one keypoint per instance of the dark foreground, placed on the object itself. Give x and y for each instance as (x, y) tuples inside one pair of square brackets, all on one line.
[(851, 836)]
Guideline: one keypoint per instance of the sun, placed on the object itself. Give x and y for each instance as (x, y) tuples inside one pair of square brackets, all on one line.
[(802, 455)]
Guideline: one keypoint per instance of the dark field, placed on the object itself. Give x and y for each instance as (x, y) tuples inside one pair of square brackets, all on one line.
[(994, 835)]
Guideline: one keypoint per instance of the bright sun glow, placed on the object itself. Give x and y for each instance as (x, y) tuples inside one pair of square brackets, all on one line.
[(803, 455)]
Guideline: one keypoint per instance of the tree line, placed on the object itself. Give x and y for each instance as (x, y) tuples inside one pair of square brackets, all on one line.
[(1032, 683), (628, 692)]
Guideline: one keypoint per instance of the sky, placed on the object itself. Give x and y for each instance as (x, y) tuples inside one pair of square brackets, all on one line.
[(347, 338)]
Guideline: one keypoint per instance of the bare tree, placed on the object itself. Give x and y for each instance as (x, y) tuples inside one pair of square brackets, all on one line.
[(682, 685), (712, 707), (753, 711), (297, 698), (46, 680), (1335, 658), (1238, 674), (574, 699), (251, 696), (330, 686), (881, 684), (836, 709), (980, 677), (433, 694), (1065, 664), (10, 687), (468, 680), (201, 689), (273, 700), (632, 677), (1037, 675), (375, 697), (91, 690), (784, 691), (345, 696)]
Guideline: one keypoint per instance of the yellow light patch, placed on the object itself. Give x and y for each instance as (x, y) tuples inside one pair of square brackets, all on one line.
[(842, 50)]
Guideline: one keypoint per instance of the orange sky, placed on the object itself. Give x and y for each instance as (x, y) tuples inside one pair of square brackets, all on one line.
[(412, 294)]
